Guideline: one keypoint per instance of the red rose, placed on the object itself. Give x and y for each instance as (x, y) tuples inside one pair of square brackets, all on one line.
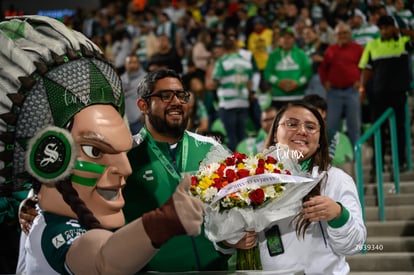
[(288, 172), (220, 170), (230, 175), (257, 196), (277, 171), (194, 181), (259, 170), (240, 157), (261, 163), (242, 173), (218, 184), (271, 160), (230, 161)]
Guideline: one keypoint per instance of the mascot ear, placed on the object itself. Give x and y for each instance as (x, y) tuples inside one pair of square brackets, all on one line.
[(51, 155)]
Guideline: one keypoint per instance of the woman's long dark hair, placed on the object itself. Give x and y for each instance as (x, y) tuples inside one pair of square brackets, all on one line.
[(320, 158)]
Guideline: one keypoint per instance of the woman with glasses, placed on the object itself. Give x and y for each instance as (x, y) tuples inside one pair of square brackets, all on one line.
[(330, 224)]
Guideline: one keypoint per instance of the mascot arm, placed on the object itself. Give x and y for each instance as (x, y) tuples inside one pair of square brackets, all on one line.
[(100, 251), (128, 249)]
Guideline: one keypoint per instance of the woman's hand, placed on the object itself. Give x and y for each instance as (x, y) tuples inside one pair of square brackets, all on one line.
[(321, 208), (247, 242)]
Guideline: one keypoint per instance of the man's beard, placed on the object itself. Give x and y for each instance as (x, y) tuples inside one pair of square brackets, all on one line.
[(163, 127)]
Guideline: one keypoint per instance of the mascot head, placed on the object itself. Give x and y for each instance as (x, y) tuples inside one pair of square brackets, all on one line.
[(61, 121)]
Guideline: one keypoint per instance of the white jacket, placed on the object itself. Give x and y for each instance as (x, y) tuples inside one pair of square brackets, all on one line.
[(321, 253)]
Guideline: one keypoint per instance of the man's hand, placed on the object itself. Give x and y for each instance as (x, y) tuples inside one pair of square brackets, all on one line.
[(288, 85), (362, 92)]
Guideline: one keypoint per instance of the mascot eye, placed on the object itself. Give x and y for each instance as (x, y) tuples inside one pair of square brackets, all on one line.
[(91, 151)]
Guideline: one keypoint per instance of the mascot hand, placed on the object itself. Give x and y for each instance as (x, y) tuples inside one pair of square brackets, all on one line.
[(181, 214)]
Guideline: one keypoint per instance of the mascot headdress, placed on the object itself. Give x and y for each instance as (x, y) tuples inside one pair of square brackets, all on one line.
[(38, 99)]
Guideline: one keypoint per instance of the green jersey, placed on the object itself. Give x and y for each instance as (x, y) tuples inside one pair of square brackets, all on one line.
[(233, 72), (365, 33), (157, 168), (293, 64)]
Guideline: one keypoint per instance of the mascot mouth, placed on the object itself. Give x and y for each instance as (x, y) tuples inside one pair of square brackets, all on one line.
[(108, 194)]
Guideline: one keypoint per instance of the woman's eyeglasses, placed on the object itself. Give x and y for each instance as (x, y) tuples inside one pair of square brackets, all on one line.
[(294, 124), (168, 95)]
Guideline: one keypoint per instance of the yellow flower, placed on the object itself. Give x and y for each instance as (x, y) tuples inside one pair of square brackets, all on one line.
[(205, 183), (269, 166)]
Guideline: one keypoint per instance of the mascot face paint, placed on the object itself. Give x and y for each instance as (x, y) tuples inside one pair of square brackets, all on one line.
[(102, 137)]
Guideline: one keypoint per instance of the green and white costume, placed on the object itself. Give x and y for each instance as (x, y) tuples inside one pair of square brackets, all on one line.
[(38, 102)]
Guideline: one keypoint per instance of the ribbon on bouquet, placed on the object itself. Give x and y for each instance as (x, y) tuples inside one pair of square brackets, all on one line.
[(258, 181)]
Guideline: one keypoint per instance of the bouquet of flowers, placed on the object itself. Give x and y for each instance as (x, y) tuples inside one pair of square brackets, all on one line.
[(245, 193)]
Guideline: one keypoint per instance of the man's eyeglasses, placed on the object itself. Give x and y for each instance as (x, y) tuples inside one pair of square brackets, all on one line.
[(168, 95), (294, 124)]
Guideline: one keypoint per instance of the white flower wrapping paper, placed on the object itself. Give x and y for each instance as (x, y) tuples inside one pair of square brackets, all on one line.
[(230, 225)]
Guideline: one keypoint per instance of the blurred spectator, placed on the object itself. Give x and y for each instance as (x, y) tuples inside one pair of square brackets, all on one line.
[(197, 113), (259, 42), (210, 97), (315, 50), (200, 51), (340, 75), (166, 27), (166, 57), (298, 28), (121, 48), (340, 13), (322, 106), (150, 20), (254, 145), (257, 83), (382, 58), (107, 43), (401, 13), (292, 13), (377, 6), (276, 35), (133, 74), (175, 10), (192, 71), (232, 74), (304, 14), (287, 70), (362, 31), (325, 32), (145, 45), (318, 11)]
